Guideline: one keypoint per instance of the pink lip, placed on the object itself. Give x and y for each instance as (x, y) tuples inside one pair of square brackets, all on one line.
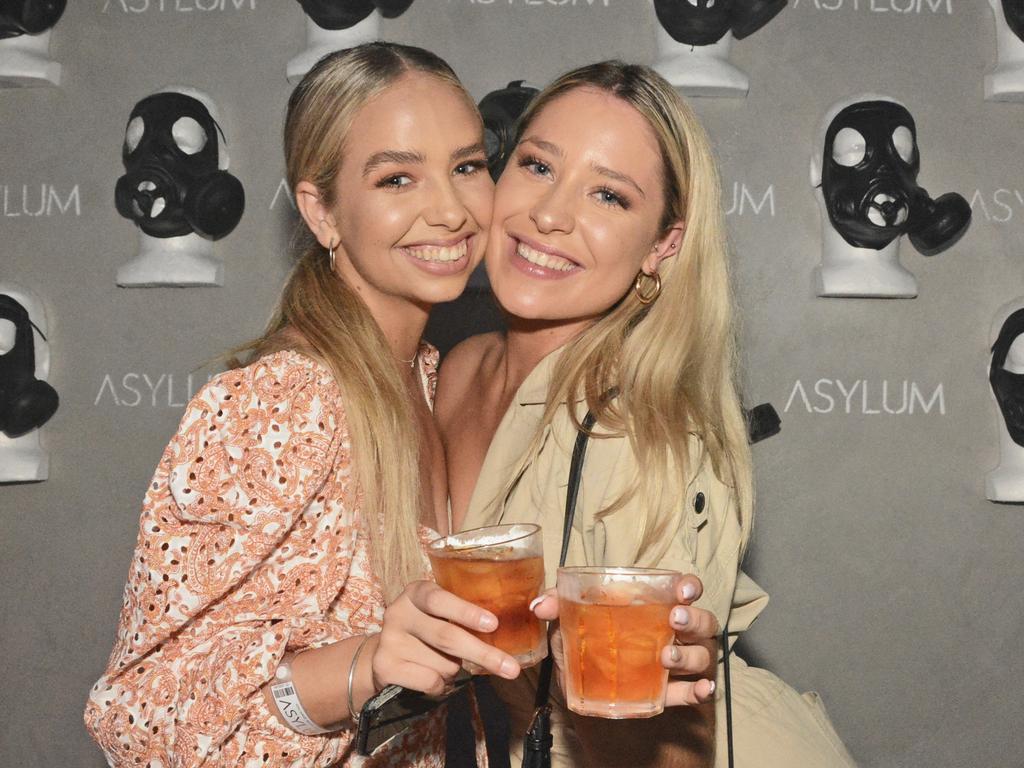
[(535, 270)]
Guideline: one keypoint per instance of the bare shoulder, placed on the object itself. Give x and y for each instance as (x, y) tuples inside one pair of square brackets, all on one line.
[(461, 368)]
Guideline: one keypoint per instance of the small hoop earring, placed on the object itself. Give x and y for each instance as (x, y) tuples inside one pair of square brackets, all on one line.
[(330, 254), (647, 295)]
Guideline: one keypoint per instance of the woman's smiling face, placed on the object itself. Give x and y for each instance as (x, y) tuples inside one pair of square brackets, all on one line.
[(412, 196), (578, 210)]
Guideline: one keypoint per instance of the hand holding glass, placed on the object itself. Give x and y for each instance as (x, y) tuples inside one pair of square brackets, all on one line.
[(614, 623), (501, 569)]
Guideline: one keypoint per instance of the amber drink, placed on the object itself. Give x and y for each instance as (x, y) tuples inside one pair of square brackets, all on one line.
[(614, 623), (499, 568)]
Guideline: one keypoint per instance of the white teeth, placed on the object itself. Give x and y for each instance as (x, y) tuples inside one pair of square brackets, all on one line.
[(546, 260), (902, 215), (158, 206), (875, 217), (440, 253), (882, 197)]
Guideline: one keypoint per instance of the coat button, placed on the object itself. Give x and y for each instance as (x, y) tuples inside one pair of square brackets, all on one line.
[(698, 502)]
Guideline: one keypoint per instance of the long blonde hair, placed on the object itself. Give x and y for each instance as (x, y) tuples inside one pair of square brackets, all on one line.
[(672, 362), (320, 315)]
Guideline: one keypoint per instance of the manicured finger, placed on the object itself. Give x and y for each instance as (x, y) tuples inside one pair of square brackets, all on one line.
[(688, 589), (545, 605), (453, 640), (431, 599), (684, 693), (693, 624), (685, 659)]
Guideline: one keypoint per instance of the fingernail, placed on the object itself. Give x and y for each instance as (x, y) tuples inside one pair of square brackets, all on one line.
[(536, 601), (689, 591), (674, 654), (489, 623), (680, 617), (711, 690), (508, 667)]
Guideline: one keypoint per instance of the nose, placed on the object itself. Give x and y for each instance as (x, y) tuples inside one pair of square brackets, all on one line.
[(552, 212), (446, 209)]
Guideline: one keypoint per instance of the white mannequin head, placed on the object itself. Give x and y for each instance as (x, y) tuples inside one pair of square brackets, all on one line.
[(186, 260), (25, 43), (694, 38), (846, 270), (700, 70), (22, 458), (1006, 481), (1004, 81), (320, 42)]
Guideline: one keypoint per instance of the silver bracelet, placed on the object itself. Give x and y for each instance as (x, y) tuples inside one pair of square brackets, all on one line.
[(286, 697), (352, 713)]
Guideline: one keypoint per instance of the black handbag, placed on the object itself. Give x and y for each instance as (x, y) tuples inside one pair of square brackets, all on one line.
[(537, 741)]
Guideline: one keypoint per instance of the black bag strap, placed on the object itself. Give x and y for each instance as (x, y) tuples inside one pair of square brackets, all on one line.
[(579, 452)]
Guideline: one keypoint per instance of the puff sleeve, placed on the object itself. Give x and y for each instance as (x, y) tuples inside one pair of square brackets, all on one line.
[(239, 554)]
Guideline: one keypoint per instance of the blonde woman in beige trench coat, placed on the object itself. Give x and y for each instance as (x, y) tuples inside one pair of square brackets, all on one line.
[(606, 253)]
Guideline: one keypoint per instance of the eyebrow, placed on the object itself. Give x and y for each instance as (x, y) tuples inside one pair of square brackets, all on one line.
[(620, 177), (476, 148), (547, 146), (378, 159), (401, 157), (554, 149)]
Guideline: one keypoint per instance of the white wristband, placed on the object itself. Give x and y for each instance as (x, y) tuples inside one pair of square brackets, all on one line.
[(286, 697)]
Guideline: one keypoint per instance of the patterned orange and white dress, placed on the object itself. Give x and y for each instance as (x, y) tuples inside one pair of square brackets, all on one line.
[(250, 545)]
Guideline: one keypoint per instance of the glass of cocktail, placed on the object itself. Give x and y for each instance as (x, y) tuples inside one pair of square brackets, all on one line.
[(614, 623), (499, 568)]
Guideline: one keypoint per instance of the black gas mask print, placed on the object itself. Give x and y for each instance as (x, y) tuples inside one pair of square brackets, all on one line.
[(501, 110), (1008, 387), (1013, 10), (25, 401), (342, 14), (28, 17), (869, 181), (172, 185), (703, 22)]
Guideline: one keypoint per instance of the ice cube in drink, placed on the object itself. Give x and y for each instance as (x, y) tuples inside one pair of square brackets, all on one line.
[(614, 623), (502, 576)]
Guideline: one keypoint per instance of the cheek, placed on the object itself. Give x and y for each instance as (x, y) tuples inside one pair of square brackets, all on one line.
[(479, 201), (511, 195), (618, 250)]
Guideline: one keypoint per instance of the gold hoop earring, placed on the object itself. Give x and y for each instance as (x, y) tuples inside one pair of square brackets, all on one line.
[(647, 295), (330, 254)]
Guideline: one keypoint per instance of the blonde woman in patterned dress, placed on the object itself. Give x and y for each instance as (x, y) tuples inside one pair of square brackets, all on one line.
[(285, 520)]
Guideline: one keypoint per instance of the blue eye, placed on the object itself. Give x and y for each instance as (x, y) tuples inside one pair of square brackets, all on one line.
[(608, 197), (535, 166), (396, 181), (470, 167)]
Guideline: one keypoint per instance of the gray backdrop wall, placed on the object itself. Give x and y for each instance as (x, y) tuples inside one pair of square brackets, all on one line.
[(896, 586)]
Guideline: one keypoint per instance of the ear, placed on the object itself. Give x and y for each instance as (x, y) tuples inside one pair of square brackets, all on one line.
[(664, 247), (316, 214)]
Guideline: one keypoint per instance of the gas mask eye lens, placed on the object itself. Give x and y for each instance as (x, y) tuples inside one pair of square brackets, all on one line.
[(903, 140), (1014, 362), (133, 133), (711, 4), (7, 331), (188, 135), (848, 147), (693, 3)]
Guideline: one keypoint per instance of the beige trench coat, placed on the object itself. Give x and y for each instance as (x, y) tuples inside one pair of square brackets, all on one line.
[(773, 725)]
